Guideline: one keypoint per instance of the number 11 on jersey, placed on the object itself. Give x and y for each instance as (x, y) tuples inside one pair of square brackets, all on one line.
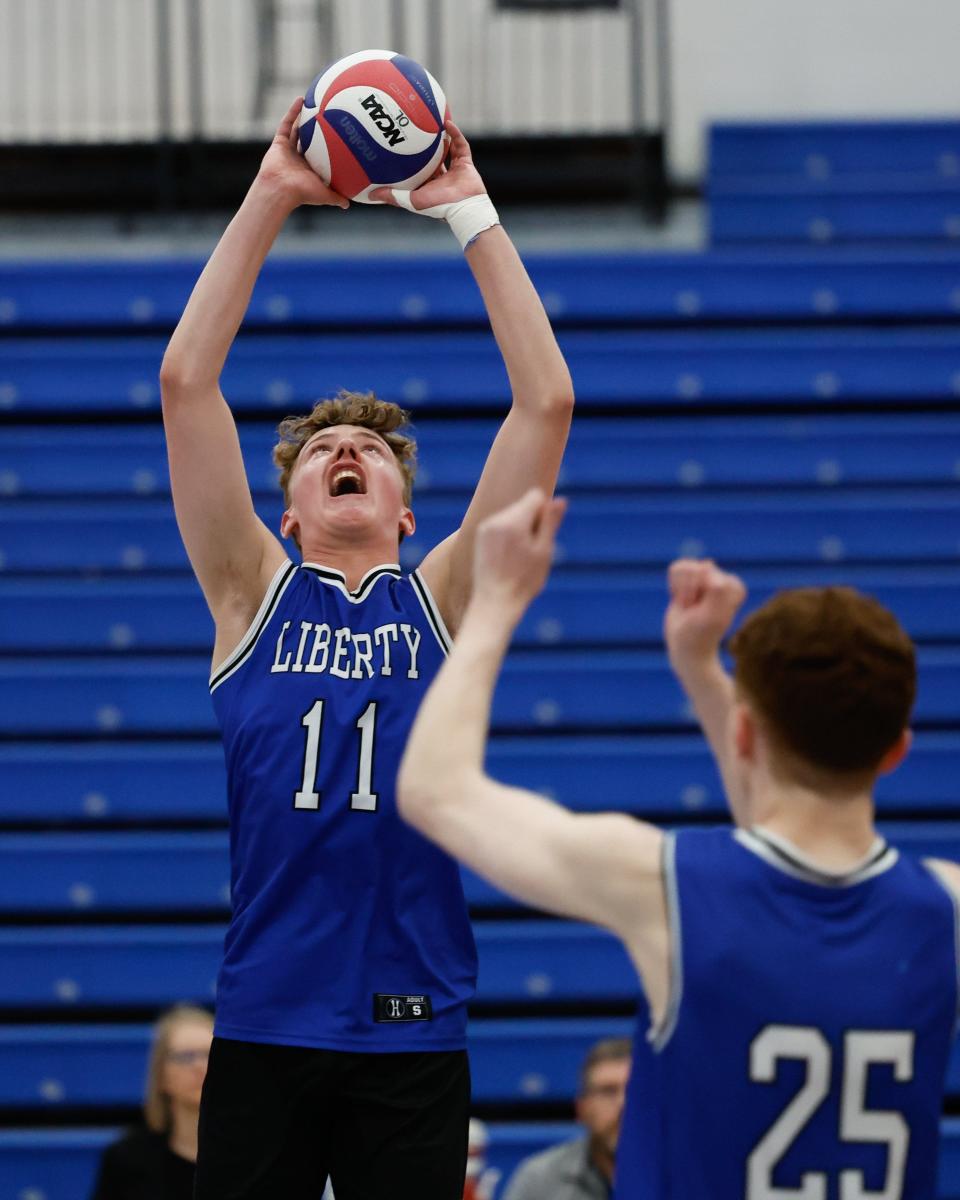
[(363, 798)]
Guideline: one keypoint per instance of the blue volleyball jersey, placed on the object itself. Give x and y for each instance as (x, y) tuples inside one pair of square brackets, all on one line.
[(805, 1045), (349, 930)]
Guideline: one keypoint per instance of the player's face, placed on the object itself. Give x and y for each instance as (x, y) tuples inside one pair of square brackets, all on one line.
[(346, 479), (600, 1108), (185, 1064)]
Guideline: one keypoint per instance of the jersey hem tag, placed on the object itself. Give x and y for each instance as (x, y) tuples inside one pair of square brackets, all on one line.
[(392, 1010)]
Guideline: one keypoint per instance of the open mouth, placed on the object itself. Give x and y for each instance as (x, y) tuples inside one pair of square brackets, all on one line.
[(347, 481)]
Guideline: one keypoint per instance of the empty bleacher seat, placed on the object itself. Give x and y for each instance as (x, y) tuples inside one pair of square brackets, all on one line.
[(602, 689), (146, 295), (588, 607), (821, 150), (772, 526), (795, 215), (673, 776), (111, 873), (835, 181), (111, 967), (635, 453), (287, 374)]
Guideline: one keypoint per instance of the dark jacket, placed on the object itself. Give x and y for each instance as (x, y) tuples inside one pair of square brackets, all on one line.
[(141, 1166)]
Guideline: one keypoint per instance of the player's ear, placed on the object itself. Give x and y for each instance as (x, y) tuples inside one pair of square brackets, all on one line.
[(744, 732), (408, 523), (897, 753), (288, 524)]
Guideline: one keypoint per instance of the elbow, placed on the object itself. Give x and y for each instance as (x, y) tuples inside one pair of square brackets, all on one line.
[(178, 379), (557, 403), (172, 379)]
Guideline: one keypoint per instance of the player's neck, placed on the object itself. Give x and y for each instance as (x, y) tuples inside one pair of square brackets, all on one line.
[(352, 560), (836, 832)]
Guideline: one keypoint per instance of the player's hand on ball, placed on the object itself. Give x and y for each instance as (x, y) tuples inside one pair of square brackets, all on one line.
[(284, 168), (515, 550), (458, 181), (703, 603)]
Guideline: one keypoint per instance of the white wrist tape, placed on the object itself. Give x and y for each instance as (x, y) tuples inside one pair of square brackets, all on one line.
[(467, 218)]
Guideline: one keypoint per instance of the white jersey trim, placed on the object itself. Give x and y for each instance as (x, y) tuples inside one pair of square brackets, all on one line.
[(338, 580), (785, 857), (432, 610), (660, 1033), (278, 585), (932, 870)]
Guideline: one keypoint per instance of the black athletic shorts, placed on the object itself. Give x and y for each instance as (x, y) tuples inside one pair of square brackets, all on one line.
[(276, 1121)]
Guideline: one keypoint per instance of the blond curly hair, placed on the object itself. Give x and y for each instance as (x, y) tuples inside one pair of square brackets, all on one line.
[(348, 408)]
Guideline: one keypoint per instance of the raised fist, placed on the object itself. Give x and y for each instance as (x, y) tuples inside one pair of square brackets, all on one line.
[(703, 603)]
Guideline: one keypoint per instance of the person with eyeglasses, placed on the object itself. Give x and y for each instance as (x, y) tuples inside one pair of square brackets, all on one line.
[(156, 1161), (582, 1169)]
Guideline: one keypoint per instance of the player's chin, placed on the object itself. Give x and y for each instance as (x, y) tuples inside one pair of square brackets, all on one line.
[(357, 508)]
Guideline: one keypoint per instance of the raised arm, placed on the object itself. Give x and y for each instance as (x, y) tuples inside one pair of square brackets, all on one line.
[(703, 603), (231, 551), (604, 869), (529, 447)]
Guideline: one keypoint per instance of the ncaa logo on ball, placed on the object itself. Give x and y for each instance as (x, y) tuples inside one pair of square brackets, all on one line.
[(390, 126)]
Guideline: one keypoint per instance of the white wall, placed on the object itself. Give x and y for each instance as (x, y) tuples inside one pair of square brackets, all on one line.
[(87, 70), (760, 59)]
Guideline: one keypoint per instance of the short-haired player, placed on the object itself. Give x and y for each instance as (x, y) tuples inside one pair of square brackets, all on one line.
[(340, 1033), (800, 974)]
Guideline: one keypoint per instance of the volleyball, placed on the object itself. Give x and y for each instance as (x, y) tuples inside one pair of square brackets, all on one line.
[(374, 119)]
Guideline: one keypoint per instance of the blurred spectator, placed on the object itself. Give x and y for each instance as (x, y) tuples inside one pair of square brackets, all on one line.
[(481, 1179), (157, 1162), (583, 1169)]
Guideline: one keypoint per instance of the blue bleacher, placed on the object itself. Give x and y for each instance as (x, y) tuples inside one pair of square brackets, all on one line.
[(119, 872), (787, 217), (390, 291), (603, 689), (689, 453), (151, 965), (589, 607), (286, 373), (833, 181), (772, 526), (827, 149), (673, 777), (513, 1060)]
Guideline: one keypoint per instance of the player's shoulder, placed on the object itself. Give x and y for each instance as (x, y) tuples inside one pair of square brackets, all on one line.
[(948, 873)]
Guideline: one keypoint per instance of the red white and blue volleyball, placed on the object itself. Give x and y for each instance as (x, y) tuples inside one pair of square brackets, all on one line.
[(374, 119)]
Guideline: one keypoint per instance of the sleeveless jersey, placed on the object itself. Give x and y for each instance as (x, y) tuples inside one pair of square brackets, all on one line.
[(805, 1044), (349, 931)]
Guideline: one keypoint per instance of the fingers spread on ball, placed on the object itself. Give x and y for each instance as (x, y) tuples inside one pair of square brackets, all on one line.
[(288, 124)]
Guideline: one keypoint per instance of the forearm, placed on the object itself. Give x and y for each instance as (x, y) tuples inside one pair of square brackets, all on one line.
[(450, 733), (205, 333), (536, 368), (710, 691)]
